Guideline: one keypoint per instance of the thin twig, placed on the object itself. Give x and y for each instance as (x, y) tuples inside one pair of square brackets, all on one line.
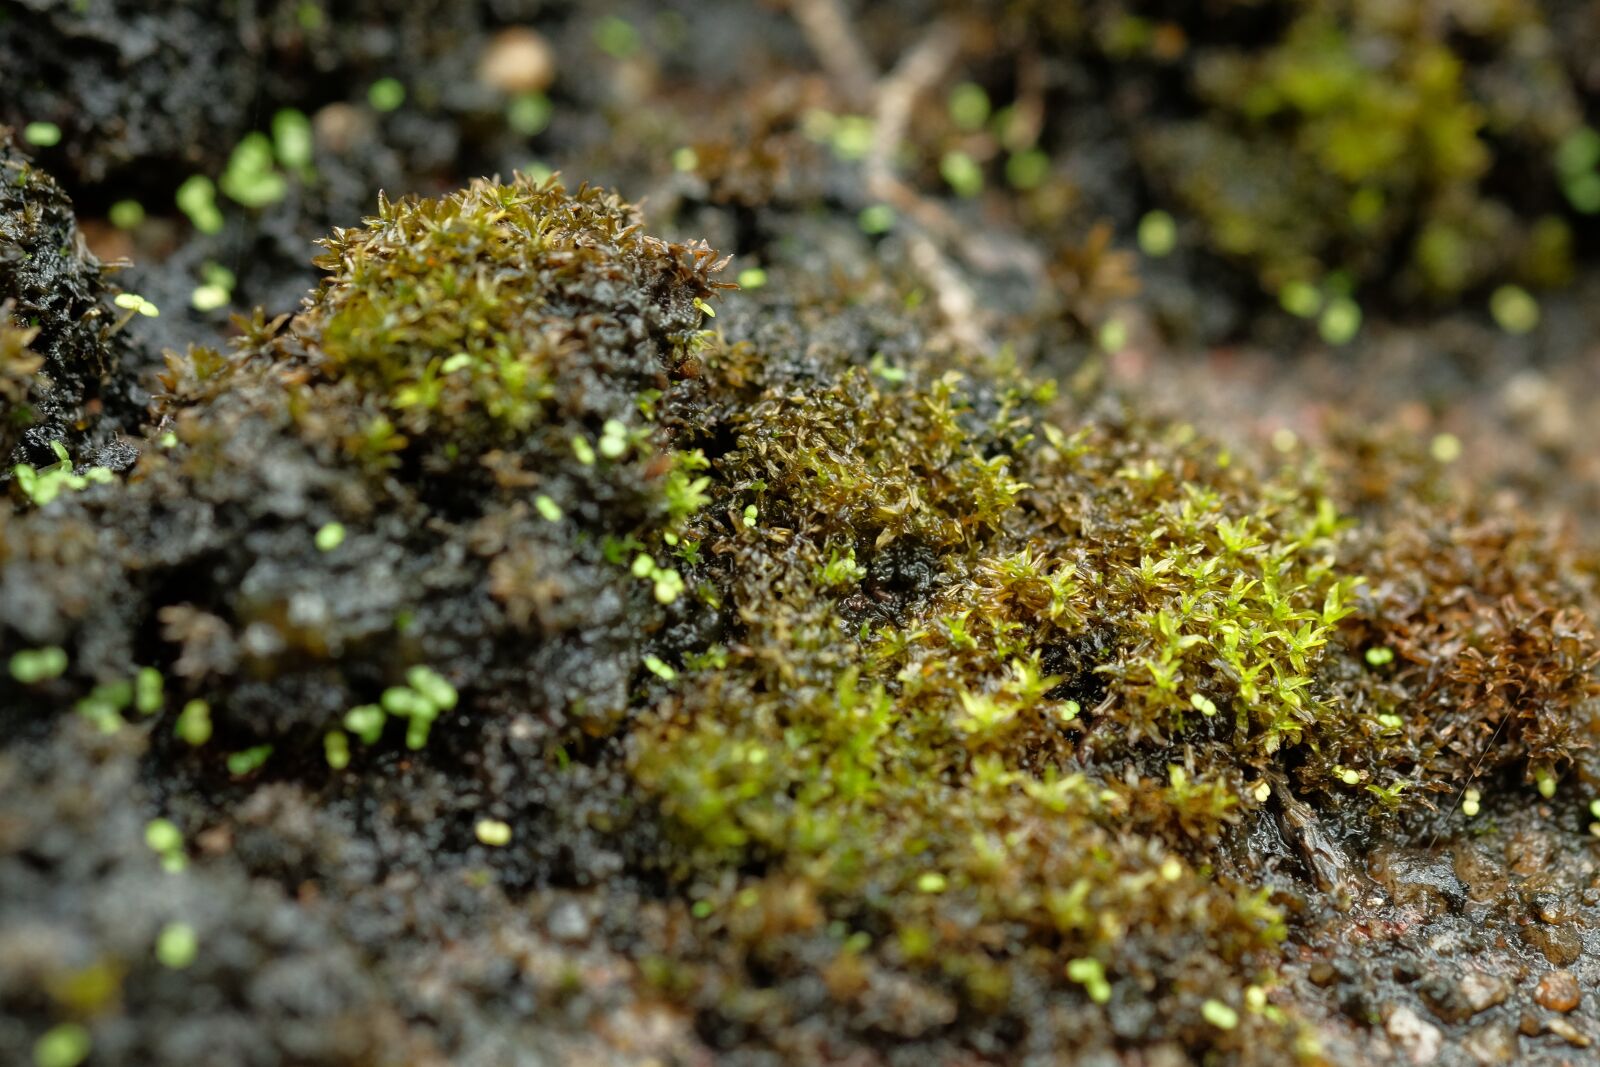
[(828, 31)]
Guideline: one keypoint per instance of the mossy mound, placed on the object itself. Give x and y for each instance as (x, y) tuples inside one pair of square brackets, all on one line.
[(928, 710)]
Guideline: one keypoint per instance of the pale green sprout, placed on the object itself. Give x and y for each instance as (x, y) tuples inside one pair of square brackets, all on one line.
[(32, 666), (1027, 169), (876, 219), (66, 1045), (329, 537), (685, 160), (616, 37), (613, 439), (882, 368), (177, 945), (336, 749), (43, 486), (656, 666), (529, 113), (386, 94), (1379, 656), (752, 278), (1090, 974), (1445, 448), (136, 303), (126, 214), (704, 308), (1577, 158), (492, 832), (962, 173), (932, 882), (420, 701), (207, 297), (969, 106), (1158, 234), (42, 134), (1514, 309), (1300, 299), (1340, 321), (1113, 336), (250, 178), (166, 841), (1471, 803), (366, 722), (148, 686), (548, 509), (853, 136), (292, 139), (197, 198), (194, 723), (248, 760), (750, 515), (1219, 1015)]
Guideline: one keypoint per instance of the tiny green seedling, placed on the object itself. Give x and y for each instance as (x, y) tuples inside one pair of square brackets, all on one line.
[(166, 840), (177, 945), (193, 725), (33, 666)]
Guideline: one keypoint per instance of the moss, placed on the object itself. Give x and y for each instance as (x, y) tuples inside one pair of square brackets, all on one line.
[(895, 680)]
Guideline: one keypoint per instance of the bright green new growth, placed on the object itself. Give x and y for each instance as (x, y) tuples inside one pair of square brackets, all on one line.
[(329, 536), (193, 724), (249, 760), (43, 486), (386, 94), (177, 945), (32, 666), (197, 198), (166, 841), (292, 140), (42, 134), (66, 1045), (250, 178)]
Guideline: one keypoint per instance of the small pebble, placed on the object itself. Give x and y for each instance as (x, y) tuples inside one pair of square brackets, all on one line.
[(518, 60), (1567, 1032), (568, 922), (1561, 945), (1558, 991), (1419, 1038)]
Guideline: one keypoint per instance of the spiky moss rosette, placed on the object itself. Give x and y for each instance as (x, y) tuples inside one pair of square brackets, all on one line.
[(935, 712)]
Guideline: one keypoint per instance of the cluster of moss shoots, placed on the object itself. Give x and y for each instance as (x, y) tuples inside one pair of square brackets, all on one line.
[(991, 682)]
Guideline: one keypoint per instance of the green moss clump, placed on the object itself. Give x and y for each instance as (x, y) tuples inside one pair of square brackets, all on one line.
[(924, 705), (1000, 693), (473, 398), (1366, 130)]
